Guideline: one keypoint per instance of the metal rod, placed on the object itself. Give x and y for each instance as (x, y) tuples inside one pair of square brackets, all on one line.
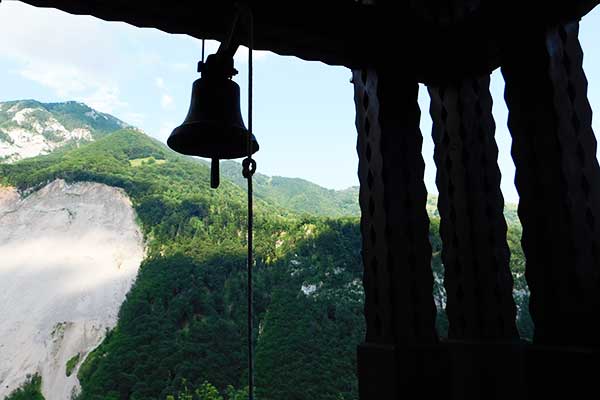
[(230, 46)]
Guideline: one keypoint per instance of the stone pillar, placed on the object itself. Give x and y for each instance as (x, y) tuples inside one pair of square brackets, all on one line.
[(480, 307), (558, 179), (399, 351)]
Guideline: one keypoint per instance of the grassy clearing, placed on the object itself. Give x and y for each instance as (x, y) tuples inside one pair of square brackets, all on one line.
[(138, 162)]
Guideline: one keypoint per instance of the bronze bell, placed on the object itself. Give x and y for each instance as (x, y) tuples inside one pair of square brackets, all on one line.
[(213, 127)]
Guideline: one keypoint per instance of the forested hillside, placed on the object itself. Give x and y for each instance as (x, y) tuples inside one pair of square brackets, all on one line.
[(183, 323), (298, 195), (181, 330)]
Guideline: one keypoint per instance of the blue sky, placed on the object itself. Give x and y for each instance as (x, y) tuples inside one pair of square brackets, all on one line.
[(304, 111)]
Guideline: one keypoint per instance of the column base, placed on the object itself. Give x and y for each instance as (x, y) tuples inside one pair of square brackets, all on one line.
[(473, 371), (490, 371), (449, 369), (562, 372), (395, 372)]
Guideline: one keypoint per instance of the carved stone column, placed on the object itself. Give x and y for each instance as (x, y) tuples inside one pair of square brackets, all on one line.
[(478, 281), (558, 179), (399, 307)]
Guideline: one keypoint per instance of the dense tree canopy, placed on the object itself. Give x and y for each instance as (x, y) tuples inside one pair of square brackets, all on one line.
[(181, 330)]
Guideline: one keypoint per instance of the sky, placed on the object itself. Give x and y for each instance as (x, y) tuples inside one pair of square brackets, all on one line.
[(303, 111)]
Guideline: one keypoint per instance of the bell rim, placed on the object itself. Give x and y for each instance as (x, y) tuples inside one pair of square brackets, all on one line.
[(190, 148)]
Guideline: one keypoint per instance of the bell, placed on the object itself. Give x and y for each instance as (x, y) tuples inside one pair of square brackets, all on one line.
[(213, 127)]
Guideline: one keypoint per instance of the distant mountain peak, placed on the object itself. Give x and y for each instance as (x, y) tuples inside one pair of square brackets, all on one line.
[(29, 128)]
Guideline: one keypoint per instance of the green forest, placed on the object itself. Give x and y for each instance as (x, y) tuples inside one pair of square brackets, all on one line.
[(182, 328)]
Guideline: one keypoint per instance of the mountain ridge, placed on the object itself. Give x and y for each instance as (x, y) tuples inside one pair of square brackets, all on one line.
[(182, 325), (294, 194), (29, 128), (297, 194), (187, 303)]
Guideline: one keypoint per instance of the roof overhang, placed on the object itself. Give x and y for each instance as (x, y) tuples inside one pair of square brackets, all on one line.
[(424, 36)]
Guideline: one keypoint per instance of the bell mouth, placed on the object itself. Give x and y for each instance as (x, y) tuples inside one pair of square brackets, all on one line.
[(211, 140)]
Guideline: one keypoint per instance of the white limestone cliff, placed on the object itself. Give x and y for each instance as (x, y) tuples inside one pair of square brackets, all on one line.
[(33, 131), (69, 253)]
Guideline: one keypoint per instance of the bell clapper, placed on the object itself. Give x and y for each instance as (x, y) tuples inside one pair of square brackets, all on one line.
[(215, 178)]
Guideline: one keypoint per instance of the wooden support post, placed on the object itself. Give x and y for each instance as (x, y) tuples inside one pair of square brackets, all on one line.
[(478, 281), (473, 230), (558, 179), (399, 353)]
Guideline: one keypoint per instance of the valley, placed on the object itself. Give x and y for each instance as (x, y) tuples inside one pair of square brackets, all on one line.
[(181, 326)]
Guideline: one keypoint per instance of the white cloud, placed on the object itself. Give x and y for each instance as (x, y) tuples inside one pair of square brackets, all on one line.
[(133, 118), (70, 61), (65, 79), (166, 101), (106, 99), (111, 66)]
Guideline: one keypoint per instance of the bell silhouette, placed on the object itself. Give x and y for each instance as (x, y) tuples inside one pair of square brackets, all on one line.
[(213, 127)]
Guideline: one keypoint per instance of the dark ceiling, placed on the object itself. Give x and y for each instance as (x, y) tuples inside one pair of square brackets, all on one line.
[(437, 39)]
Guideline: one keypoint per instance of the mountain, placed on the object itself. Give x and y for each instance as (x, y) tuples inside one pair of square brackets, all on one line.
[(181, 328), (296, 194), (183, 321), (302, 196), (29, 128)]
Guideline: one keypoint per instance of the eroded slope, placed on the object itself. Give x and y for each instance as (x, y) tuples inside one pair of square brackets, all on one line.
[(69, 254)]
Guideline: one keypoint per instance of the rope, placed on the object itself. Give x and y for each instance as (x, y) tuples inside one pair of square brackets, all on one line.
[(249, 166)]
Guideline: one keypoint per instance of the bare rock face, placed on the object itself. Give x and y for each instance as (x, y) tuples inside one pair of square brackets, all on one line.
[(29, 128), (33, 131), (68, 256)]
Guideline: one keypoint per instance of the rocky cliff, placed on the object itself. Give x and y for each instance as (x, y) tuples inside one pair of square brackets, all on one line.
[(69, 254), (29, 128)]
